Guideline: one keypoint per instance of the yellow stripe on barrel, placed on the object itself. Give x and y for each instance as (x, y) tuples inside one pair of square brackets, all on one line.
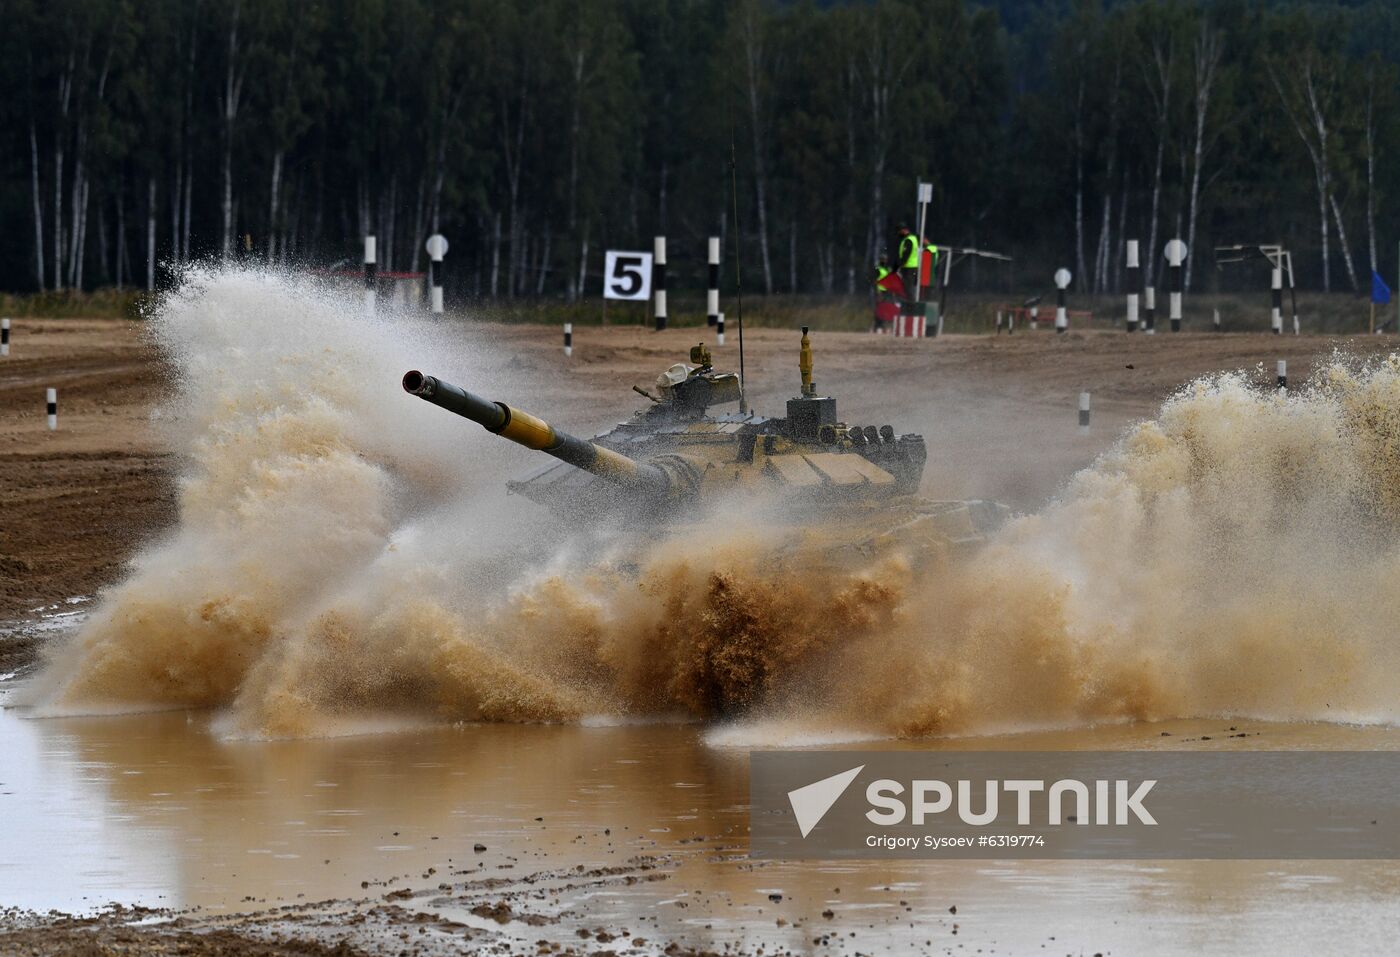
[(529, 431), (610, 464)]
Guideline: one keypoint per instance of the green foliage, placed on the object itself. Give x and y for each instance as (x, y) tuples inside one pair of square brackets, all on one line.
[(538, 135)]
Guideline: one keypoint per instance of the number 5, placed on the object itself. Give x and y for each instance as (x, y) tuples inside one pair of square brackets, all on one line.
[(627, 277)]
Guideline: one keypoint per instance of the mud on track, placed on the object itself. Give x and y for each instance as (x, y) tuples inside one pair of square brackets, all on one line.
[(77, 502)]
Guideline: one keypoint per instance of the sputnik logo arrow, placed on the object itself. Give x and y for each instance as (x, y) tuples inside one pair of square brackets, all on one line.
[(811, 802)]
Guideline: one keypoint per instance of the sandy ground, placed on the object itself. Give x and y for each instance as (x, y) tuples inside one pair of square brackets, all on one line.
[(77, 502)]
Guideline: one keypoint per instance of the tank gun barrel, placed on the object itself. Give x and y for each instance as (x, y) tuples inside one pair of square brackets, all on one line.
[(534, 433)]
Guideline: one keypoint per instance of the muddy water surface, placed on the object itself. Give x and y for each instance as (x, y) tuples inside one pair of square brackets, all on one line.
[(156, 809)]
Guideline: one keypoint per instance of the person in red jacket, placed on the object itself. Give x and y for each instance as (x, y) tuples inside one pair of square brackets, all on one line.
[(889, 289)]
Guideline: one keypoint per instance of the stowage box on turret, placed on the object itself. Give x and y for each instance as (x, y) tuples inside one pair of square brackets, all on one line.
[(676, 459)]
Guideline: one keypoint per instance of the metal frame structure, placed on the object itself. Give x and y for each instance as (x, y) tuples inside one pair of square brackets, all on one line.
[(1277, 258), (947, 256)]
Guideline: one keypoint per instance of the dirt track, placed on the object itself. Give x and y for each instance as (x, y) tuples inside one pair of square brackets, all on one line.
[(79, 500)]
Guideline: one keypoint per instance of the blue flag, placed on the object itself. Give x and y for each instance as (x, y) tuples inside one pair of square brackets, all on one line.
[(1380, 292)]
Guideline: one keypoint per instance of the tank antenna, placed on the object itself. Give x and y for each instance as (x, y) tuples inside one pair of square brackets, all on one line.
[(804, 365), (738, 252)]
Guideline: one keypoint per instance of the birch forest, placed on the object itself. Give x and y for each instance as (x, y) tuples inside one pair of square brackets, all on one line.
[(137, 135)]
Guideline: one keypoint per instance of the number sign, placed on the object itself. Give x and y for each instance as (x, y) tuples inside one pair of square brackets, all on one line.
[(627, 276)]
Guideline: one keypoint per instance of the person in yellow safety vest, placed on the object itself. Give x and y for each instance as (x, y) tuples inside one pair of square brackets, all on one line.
[(908, 257)]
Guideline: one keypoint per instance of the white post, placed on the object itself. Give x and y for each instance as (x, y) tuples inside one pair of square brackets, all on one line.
[(1215, 318), (437, 248), (719, 321), (370, 267), (658, 280), (1276, 300), (712, 295), (1062, 280), (924, 197), (568, 338), (4, 337), (1149, 303), (51, 400), (1283, 373), (1176, 257), (1134, 280), (435, 294), (1083, 413)]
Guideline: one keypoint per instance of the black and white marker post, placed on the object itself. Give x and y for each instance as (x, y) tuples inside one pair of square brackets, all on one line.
[(51, 400), (1276, 311), (4, 337), (1083, 413), (437, 248), (1062, 278), (719, 328), (370, 278), (1149, 304), (1134, 280), (712, 296), (1176, 260), (568, 338), (658, 281), (1283, 373)]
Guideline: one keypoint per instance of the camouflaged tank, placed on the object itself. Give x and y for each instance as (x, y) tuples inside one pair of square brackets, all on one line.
[(671, 462)]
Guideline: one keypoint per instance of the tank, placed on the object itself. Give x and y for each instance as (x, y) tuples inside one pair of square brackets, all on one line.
[(696, 449)]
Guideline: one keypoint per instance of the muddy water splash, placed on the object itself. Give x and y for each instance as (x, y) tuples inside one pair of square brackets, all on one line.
[(1233, 556)]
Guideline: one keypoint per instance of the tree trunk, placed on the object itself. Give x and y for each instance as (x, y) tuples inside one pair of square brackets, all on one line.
[(186, 201), (272, 206), (38, 206), (121, 231), (176, 188), (65, 89), (151, 234), (76, 205), (104, 251), (80, 215), (583, 262), (792, 257), (1082, 280), (1120, 251), (58, 215), (1342, 242), (544, 261), (1321, 178), (1162, 95), (753, 55), (233, 90), (1209, 48), (1315, 120), (1371, 174), (495, 254)]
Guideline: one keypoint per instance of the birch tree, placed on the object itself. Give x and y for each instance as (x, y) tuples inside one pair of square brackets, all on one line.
[(1206, 54), (230, 97), (1308, 87)]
